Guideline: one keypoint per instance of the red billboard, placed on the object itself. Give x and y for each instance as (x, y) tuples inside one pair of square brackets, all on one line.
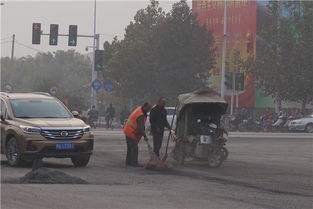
[(241, 40)]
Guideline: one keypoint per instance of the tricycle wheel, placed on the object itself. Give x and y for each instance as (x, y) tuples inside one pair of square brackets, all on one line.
[(216, 158), (224, 152)]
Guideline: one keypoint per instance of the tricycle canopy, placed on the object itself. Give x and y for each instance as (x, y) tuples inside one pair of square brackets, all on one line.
[(203, 105), (203, 96)]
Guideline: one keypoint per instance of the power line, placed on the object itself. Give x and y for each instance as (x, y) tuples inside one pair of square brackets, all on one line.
[(28, 47), (106, 34)]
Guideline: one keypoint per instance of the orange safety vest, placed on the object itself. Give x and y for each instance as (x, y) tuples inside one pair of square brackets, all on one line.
[(131, 127)]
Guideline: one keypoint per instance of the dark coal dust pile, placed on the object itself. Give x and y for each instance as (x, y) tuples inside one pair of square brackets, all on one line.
[(50, 176)]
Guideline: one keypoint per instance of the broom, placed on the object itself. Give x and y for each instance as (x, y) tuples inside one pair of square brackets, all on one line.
[(155, 163)]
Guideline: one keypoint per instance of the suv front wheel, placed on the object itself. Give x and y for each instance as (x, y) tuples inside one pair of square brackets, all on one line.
[(12, 153), (80, 161)]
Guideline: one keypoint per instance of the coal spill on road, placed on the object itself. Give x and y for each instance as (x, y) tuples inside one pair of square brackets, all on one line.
[(50, 176)]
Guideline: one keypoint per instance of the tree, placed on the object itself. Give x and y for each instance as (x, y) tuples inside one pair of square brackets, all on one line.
[(68, 70), (284, 67), (161, 54)]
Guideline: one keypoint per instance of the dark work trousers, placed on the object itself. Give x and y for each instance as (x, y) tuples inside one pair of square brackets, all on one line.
[(157, 141), (132, 152)]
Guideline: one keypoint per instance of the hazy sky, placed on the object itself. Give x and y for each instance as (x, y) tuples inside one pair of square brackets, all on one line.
[(112, 18)]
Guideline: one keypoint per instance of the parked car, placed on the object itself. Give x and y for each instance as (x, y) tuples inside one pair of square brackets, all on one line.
[(37, 125), (170, 114), (302, 124)]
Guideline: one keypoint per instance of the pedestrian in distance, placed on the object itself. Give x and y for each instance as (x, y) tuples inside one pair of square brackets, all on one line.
[(158, 121), (109, 116), (134, 130)]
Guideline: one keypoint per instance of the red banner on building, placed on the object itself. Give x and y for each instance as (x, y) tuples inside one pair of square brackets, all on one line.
[(241, 43)]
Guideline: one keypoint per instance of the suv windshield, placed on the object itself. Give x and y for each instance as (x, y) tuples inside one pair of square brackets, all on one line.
[(39, 108)]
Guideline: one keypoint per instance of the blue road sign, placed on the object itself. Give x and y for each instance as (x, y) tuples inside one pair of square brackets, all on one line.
[(108, 86), (96, 84)]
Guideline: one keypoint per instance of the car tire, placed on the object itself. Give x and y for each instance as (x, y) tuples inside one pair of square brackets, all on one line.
[(12, 153), (80, 161), (309, 128)]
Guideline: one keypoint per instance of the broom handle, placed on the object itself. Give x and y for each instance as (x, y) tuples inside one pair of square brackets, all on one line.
[(169, 135)]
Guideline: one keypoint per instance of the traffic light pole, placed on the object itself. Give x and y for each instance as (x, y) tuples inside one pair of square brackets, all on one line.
[(83, 36), (94, 73)]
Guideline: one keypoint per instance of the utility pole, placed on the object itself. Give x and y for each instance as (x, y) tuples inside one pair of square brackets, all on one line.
[(94, 74), (224, 51), (12, 51)]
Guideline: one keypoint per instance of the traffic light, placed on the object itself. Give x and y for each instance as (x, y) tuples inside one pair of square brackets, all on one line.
[(240, 81), (99, 60), (229, 81), (54, 32), (36, 33), (72, 35)]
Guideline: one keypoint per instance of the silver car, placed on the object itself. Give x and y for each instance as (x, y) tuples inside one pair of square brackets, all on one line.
[(302, 124)]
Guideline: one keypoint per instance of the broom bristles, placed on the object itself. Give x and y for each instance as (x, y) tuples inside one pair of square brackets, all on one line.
[(155, 161)]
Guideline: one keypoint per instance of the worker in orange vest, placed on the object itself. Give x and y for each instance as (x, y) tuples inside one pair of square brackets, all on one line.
[(134, 129)]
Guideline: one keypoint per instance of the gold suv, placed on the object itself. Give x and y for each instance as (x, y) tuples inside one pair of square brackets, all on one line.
[(37, 125)]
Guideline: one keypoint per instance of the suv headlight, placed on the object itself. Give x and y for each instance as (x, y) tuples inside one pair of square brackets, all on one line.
[(30, 129), (86, 129)]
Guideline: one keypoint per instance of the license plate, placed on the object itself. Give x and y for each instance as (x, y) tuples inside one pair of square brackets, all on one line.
[(205, 139), (65, 146)]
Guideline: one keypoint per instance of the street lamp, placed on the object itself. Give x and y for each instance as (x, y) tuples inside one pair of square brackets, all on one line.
[(95, 46), (224, 51)]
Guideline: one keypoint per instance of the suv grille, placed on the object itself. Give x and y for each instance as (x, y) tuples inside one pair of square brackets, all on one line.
[(62, 133)]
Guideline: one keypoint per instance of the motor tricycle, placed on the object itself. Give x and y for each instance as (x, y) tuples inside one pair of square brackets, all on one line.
[(198, 133)]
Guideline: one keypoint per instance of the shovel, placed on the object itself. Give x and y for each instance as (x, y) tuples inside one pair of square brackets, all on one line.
[(170, 134)]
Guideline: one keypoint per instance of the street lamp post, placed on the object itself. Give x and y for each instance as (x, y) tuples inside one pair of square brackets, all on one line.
[(94, 73), (224, 51)]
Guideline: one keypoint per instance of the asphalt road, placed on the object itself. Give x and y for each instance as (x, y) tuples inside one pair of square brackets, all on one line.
[(263, 171)]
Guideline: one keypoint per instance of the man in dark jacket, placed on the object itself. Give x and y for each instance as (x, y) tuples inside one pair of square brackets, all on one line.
[(158, 121)]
